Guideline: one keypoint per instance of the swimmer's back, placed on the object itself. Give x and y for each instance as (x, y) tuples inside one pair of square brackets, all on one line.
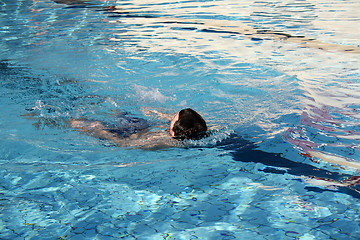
[(126, 125)]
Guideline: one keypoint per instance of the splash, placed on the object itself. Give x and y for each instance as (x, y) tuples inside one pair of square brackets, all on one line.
[(148, 94)]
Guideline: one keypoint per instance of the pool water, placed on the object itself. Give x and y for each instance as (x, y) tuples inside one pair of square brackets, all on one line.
[(278, 81)]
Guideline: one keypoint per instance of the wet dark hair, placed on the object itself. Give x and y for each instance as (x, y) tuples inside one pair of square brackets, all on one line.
[(190, 125)]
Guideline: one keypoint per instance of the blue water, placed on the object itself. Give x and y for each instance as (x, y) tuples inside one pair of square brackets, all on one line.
[(279, 81)]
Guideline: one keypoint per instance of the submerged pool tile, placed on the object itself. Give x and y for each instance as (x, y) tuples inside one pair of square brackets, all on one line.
[(143, 230), (7, 233), (249, 234), (346, 227), (107, 229)]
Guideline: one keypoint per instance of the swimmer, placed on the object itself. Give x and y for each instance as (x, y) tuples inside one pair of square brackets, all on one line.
[(137, 132), (188, 124)]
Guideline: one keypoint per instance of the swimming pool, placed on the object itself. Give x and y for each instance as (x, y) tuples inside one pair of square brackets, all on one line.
[(279, 81)]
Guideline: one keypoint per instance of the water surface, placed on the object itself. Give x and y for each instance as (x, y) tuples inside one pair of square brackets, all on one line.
[(280, 80)]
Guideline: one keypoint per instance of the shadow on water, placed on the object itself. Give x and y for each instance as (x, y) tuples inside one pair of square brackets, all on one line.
[(245, 151)]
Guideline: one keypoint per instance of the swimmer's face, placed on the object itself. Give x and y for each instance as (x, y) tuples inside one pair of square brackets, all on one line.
[(175, 119)]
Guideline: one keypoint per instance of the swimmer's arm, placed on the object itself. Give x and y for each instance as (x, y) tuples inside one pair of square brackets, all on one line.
[(159, 115), (95, 129), (153, 140)]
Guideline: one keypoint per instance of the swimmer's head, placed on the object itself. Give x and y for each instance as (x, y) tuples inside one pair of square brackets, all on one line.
[(188, 124)]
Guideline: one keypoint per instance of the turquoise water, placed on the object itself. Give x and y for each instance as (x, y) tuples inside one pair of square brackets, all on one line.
[(279, 80)]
